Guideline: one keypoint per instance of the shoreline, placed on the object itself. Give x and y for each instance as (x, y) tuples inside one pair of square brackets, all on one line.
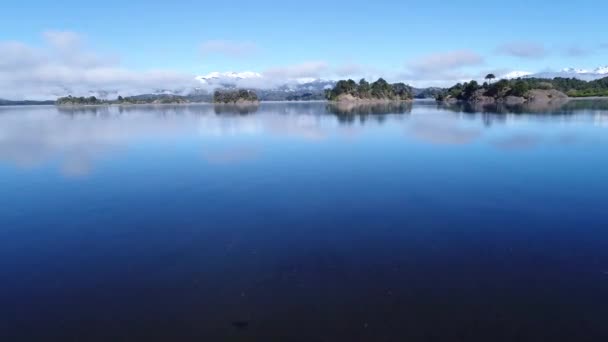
[(362, 102), (368, 101)]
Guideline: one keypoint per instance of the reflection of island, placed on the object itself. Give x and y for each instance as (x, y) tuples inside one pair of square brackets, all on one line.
[(358, 108), (551, 107), (80, 110), (238, 109)]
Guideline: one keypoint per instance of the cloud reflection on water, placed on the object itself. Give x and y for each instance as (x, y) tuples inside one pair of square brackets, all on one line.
[(441, 130), (77, 138)]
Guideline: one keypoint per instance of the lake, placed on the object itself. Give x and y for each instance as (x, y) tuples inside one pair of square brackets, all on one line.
[(304, 222)]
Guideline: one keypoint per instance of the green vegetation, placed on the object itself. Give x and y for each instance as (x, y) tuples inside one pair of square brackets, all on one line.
[(573, 87), (521, 87), (427, 93), (78, 101), (461, 91), (24, 102), (151, 99), (379, 90), (235, 96), (139, 99)]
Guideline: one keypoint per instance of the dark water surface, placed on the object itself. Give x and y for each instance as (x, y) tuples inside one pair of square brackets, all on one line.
[(303, 222)]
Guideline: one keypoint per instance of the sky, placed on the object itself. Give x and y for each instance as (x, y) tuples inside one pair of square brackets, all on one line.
[(49, 48)]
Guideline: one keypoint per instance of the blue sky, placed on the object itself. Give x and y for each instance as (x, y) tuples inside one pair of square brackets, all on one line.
[(423, 42)]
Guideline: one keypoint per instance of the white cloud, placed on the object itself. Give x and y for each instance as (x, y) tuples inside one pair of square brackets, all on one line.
[(349, 70), (16, 55), (528, 50), (64, 65), (63, 39), (441, 69), (446, 61), (312, 69), (229, 48)]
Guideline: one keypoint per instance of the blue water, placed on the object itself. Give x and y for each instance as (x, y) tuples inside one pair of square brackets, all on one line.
[(304, 222)]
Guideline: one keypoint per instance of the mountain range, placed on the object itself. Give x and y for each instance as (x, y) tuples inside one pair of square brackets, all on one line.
[(581, 74), (306, 89)]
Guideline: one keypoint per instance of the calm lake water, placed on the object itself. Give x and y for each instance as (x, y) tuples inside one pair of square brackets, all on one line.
[(304, 222)]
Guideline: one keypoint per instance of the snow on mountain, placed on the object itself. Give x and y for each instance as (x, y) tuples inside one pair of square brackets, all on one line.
[(581, 74), (515, 74), (227, 77), (575, 71), (602, 70), (249, 79)]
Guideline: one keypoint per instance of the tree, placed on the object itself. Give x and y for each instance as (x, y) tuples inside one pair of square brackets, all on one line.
[(364, 89), (520, 88), (381, 89), (402, 91), (490, 77), (469, 89)]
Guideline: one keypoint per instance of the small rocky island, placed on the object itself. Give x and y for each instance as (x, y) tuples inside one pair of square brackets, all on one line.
[(238, 97), (364, 92)]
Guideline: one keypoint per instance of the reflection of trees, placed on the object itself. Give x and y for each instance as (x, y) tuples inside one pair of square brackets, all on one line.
[(84, 110), (157, 109), (350, 112), (557, 106), (496, 113), (238, 109), (586, 104), (354, 108)]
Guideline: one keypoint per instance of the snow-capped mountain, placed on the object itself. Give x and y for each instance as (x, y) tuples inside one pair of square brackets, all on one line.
[(602, 70), (267, 88), (221, 78), (581, 74), (515, 74), (250, 79)]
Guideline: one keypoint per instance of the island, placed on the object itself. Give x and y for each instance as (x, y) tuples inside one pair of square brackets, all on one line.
[(152, 99), (79, 101), (379, 91), (523, 90), (139, 99), (238, 97)]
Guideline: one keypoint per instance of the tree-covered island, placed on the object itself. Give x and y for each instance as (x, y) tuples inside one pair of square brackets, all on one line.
[(381, 90), (523, 90), (239, 96)]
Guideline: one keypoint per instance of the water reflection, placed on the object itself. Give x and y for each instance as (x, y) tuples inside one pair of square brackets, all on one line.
[(236, 109), (555, 107), (353, 108), (442, 130), (241, 227), (77, 137)]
